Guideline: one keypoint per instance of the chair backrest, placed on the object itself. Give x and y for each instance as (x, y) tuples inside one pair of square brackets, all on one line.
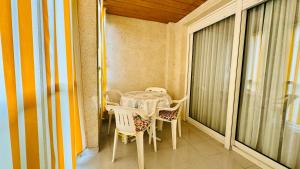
[(180, 103), (156, 89), (124, 118), (113, 96), (150, 106), (181, 100)]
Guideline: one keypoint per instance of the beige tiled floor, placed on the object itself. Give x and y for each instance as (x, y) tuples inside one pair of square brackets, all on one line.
[(195, 150)]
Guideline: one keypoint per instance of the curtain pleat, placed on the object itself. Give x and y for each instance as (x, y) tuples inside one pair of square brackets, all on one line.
[(269, 98), (212, 47), (40, 117)]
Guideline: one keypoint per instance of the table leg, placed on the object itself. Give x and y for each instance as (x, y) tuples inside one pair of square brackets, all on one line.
[(160, 125)]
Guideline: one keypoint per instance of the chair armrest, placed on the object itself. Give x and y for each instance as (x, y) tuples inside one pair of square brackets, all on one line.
[(143, 114), (155, 112), (110, 107), (176, 101), (112, 103), (181, 100), (167, 109)]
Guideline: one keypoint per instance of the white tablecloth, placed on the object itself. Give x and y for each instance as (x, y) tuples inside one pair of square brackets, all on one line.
[(145, 100)]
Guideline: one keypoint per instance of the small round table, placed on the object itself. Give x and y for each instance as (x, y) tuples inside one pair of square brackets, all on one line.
[(144, 100)]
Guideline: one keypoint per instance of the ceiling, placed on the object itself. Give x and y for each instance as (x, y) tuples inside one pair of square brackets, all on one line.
[(164, 11)]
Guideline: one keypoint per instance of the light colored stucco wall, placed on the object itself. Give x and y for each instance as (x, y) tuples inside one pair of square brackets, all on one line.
[(136, 53), (88, 42), (176, 63)]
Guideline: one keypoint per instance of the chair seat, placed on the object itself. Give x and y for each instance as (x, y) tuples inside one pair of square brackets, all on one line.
[(168, 115), (140, 123)]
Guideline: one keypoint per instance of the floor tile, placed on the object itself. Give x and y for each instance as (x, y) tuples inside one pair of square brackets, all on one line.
[(195, 150)]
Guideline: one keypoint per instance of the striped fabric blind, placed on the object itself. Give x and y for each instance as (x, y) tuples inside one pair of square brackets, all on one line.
[(39, 115)]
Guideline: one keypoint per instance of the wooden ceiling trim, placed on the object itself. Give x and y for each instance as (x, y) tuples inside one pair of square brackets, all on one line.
[(172, 3), (198, 3), (132, 10), (147, 11), (155, 10), (145, 4), (185, 1), (117, 11)]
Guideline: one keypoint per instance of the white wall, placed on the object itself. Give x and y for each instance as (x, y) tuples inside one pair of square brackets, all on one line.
[(136, 53), (144, 53)]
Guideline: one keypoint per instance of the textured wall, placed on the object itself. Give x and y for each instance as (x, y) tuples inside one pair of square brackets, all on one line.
[(88, 41), (176, 60), (136, 53)]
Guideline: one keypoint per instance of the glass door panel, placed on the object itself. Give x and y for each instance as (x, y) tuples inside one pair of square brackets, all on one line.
[(211, 58), (269, 114)]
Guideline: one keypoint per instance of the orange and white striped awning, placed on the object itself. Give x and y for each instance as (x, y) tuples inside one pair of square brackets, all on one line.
[(39, 116)]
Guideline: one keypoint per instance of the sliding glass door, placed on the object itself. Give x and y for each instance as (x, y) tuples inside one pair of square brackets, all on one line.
[(269, 112), (211, 58)]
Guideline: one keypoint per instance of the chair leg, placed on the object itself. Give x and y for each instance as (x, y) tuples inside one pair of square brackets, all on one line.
[(179, 126), (154, 134), (140, 149), (109, 122), (115, 145), (174, 127)]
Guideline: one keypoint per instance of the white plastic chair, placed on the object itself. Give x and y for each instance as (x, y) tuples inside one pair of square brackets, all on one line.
[(156, 89), (113, 97), (172, 115), (127, 124)]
